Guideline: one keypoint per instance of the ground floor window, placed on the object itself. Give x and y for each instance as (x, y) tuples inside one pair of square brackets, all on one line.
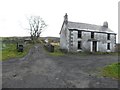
[(108, 46), (79, 45)]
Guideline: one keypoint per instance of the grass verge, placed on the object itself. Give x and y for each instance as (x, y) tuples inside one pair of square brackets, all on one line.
[(56, 52), (10, 51), (112, 71)]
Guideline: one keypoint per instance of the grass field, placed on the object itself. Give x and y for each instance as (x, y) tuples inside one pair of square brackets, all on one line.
[(112, 71), (9, 51)]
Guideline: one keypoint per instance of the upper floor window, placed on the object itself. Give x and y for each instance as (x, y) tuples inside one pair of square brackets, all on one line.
[(108, 36), (92, 34), (79, 34)]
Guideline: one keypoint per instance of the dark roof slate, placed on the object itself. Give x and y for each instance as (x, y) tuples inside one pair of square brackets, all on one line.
[(88, 27)]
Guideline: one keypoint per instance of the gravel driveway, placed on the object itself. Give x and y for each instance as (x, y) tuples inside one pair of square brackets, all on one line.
[(40, 70)]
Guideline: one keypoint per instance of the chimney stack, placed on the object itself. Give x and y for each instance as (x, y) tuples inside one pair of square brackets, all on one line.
[(66, 18), (105, 24)]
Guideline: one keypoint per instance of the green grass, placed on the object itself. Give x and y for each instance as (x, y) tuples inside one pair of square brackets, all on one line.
[(105, 53), (0, 55), (112, 71), (10, 51), (56, 52)]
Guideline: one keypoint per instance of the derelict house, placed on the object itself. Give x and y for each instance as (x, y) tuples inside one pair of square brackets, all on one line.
[(76, 36)]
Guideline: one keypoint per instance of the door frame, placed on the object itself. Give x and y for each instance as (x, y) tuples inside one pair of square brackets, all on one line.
[(94, 46)]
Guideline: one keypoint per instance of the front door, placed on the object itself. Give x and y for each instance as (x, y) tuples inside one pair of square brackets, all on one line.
[(94, 46)]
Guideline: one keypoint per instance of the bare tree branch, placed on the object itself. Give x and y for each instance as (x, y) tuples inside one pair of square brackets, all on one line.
[(37, 25)]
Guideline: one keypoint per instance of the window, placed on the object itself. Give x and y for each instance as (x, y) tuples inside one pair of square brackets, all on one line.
[(92, 34), (79, 34), (108, 46), (79, 45), (108, 36)]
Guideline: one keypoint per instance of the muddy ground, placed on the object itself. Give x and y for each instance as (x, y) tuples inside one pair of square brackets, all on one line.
[(40, 70)]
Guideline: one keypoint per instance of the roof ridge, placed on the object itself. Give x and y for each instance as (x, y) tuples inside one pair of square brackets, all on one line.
[(85, 23), (79, 25)]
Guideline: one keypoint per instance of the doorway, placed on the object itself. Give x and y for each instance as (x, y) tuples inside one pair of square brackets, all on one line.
[(94, 46)]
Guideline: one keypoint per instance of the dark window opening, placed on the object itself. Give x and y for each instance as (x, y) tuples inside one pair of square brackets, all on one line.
[(108, 46), (79, 34), (79, 45), (108, 36), (92, 34)]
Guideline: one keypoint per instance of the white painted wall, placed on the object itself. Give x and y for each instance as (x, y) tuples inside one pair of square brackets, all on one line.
[(63, 38)]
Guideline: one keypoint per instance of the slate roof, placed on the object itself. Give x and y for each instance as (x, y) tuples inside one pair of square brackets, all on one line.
[(88, 27)]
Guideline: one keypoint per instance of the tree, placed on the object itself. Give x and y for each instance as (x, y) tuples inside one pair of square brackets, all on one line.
[(37, 25)]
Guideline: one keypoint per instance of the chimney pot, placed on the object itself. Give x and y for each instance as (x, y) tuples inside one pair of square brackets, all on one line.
[(105, 24)]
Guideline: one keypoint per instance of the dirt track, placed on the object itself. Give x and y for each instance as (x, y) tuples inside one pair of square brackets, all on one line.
[(39, 70)]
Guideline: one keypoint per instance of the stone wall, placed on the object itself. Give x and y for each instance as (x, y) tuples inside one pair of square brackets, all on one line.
[(100, 37)]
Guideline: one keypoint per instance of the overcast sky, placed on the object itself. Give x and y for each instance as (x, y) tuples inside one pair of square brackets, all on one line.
[(13, 14)]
